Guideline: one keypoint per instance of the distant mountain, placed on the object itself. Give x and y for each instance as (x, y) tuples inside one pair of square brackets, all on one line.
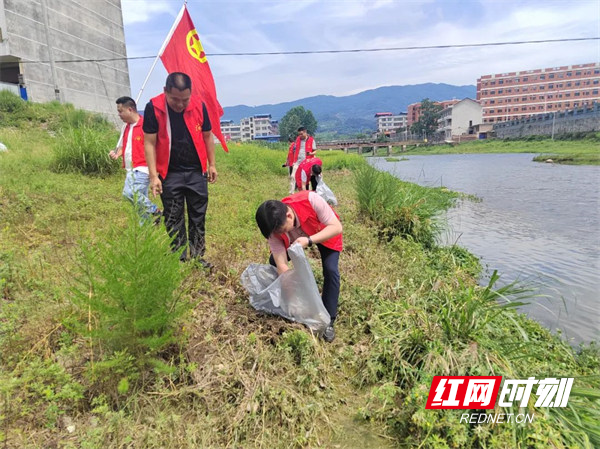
[(355, 113)]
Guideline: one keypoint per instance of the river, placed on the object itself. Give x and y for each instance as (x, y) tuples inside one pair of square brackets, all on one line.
[(538, 223)]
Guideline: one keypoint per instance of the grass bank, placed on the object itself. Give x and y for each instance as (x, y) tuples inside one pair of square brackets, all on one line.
[(231, 378), (585, 151)]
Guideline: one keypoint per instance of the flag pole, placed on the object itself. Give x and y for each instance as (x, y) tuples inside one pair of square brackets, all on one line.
[(162, 48)]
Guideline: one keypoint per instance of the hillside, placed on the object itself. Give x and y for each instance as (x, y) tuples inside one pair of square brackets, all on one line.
[(80, 369), (354, 113)]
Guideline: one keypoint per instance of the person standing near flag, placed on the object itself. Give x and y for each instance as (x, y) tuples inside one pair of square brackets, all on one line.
[(180, 153), (134, 161)]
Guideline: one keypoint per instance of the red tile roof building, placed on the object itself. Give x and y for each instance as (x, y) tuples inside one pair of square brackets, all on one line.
[(414, 110)]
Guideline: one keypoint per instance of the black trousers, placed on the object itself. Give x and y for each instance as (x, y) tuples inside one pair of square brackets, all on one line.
[(331, 278), (181, 189)]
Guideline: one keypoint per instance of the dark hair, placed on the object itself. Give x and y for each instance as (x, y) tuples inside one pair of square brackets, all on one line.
[(316, 169), (291, 139), (178, 80), (270, 215), (302, 128), (127, 102)]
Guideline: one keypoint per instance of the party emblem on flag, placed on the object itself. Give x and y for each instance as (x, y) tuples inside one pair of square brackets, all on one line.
[(194, 46)]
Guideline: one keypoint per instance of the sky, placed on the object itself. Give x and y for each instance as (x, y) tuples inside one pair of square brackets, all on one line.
[(243, 26)]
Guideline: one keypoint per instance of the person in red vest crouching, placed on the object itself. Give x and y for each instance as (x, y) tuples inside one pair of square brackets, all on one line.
[(303, 147), (180, 153), (307, 173), (307, 219)]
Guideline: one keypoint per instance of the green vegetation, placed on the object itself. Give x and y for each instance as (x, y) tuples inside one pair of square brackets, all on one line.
[(577, 151), (294, 119), (215, 373)]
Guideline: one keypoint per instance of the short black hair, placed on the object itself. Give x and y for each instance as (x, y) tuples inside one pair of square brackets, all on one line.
[(316, 169), (127, 102), (302, 128), (270, 215), (178, 80)]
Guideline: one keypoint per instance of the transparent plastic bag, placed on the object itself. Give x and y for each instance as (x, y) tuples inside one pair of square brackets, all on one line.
[(293, 295), (325, 192)]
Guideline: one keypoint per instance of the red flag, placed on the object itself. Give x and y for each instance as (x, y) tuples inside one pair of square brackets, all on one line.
[(184, 53)]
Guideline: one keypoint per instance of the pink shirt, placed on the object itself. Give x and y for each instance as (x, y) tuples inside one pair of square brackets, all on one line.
[(324, 214)]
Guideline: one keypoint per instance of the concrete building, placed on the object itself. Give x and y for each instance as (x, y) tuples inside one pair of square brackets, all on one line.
[(459, 119), (388, 123), (38, 36), (519, 95), (231, 130), (258, 126), (414, 110)]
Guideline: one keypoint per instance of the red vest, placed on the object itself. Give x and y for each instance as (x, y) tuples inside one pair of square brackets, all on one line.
[(306, 167), (290, 157), (138, 158), (309, 222), (309, 147), (193, 120)]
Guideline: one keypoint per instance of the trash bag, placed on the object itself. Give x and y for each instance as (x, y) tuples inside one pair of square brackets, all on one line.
[(325, 192), (293, 295)]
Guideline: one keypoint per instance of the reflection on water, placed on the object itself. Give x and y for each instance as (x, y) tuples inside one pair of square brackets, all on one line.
[(537, 222)]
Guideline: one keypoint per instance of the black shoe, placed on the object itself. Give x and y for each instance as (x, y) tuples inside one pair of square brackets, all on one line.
[(329, 334)]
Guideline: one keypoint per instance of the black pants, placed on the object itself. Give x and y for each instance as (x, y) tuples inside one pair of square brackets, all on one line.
[(331, 278), (181, 189)]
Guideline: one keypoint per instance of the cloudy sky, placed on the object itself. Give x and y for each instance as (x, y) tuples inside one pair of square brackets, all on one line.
[(243, 26)]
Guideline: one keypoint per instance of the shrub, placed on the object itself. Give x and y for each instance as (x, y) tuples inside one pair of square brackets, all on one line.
[(85, 150), (130, 287), (401, 208)]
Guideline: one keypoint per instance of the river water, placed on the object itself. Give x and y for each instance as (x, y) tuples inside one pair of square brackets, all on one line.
[(538, 223)]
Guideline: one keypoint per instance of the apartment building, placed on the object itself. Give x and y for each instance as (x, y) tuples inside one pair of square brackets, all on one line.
[(519, 95), (231, 130), (414, 110), (459, 119), (37, 37), (257, 127), (388, 123)]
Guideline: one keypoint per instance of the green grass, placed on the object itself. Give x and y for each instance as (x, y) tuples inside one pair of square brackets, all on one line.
[(580, 151), (232, 378)]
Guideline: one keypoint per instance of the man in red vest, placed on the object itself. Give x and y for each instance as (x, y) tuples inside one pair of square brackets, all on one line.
[(131, 149), (180, 152), (305, 218), (304, 147)]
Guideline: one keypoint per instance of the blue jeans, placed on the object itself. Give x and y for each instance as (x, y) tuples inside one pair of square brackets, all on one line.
[(136, 191)]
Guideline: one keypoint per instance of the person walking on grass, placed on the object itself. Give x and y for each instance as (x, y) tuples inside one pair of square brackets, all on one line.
[(131, 150), (303, 147), (180, 152), (307, 219)]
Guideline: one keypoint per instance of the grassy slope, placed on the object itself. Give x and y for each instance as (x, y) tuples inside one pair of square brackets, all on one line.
[(239, 379)]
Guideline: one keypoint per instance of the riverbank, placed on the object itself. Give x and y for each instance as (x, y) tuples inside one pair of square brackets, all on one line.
[(580, 152), (233, 378)]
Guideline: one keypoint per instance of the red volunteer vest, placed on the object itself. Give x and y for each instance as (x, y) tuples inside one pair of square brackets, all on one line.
[(290, 157), (193, 120), (309, 221), (309, 147), (306, 167), (138, 158)]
